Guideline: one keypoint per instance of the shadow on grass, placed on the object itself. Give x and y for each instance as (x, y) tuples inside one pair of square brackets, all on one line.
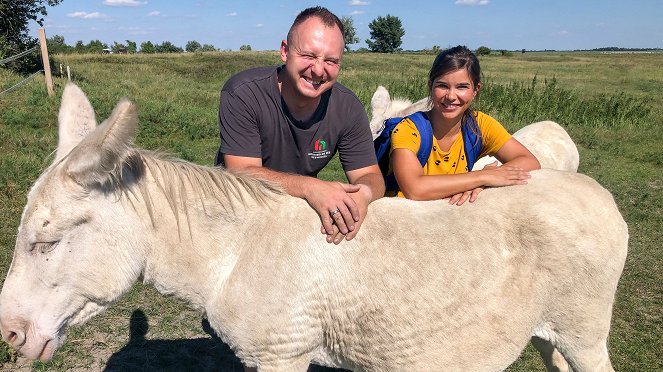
[(201, 354)]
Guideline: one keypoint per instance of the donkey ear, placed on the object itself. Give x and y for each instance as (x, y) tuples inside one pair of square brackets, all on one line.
[(421, 105), (380, 102), (75, 120), (102, 153)]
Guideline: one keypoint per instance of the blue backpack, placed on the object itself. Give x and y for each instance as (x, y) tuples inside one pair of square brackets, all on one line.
[(382, 144)]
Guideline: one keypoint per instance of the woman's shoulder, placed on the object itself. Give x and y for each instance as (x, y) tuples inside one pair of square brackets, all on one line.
[(486, 121), (482, 116)]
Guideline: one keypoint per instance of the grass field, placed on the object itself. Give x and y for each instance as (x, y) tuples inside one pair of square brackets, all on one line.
[(611, 105)]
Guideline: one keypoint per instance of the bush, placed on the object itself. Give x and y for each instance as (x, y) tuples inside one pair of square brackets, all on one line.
[(483, 51)]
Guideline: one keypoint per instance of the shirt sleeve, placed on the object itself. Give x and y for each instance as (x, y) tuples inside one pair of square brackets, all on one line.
[(405, 136), (355, 147), (493, 134), (238, 126)]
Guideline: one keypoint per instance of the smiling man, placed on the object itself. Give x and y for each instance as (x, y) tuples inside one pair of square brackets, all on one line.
[(285, 123)]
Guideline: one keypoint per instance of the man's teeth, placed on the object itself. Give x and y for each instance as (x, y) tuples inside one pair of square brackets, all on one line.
[(314, 82)]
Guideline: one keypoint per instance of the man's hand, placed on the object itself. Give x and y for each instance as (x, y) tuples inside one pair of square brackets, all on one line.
[(362, 197), (334, 205)]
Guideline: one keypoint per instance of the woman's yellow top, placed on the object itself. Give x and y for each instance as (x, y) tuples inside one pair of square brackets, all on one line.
[(493, 136)]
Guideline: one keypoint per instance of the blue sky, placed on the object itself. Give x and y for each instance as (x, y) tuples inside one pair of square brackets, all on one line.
[(497, 24)]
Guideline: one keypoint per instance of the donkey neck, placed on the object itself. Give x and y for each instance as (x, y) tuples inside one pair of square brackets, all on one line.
[(196, 229)]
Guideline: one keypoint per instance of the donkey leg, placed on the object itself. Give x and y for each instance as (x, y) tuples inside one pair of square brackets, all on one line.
[(552, 358), (590, 358), (290, 365)]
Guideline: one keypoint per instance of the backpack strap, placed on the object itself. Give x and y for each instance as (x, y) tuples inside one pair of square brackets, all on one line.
[(471, 140), (425, 134), (425, 130)]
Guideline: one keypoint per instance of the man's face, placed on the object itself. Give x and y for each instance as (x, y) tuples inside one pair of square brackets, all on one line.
[(313, 58)]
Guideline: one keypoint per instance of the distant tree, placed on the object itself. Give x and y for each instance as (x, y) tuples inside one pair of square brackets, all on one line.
[(15, 16), (56, 45), (96, 46), (386, 34), (131, 47), (208, 48), (118, 47), (435, 49), (245, 47), (80, 47), (192, 46), (349, 32), (482, 51), (147, 47), (167, 47)]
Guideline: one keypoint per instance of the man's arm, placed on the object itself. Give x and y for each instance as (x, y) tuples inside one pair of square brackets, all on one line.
[(370, 187), (333, 201)]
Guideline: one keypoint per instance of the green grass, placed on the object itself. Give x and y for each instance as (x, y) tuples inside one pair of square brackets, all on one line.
[(609, 103)]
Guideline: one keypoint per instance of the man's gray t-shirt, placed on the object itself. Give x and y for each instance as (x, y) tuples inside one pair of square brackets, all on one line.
[(254, 122)]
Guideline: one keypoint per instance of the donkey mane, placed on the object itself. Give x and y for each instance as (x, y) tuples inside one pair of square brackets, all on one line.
[(177, 177)]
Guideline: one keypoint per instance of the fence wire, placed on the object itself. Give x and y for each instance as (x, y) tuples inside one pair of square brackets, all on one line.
[(17, 56), (21, 83)]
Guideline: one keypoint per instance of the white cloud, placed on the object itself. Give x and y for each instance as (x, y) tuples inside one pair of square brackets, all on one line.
[(357, 2), (232, 14), (259, 25), (562, 33), (124, 2), (155, 13), (357, 12), (86, 15), (472, 2)]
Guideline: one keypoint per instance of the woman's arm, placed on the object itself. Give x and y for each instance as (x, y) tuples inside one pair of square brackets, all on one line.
[(513, 153), (415, 185)]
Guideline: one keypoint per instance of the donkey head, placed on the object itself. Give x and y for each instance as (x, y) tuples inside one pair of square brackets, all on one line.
[(67, 264)]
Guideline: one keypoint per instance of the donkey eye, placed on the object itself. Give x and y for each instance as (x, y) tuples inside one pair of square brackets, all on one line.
[(43, 247)]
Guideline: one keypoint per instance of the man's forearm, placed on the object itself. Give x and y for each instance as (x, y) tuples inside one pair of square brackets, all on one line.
[(293, 184), (375, 183)]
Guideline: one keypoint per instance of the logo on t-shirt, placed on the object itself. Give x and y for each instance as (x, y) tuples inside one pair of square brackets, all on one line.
[(320, 145), (319, 149)]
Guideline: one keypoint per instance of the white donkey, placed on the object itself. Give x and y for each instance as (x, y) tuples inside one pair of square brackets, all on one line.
[(542, 262), (547, 140)]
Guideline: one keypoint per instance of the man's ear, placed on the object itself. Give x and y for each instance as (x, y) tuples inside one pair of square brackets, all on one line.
[(284, 50)]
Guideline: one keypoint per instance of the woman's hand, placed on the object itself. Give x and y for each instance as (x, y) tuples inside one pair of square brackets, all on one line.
[(503, 175), (462, 197)]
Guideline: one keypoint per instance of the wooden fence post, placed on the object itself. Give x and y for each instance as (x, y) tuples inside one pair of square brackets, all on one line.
[(68, 73), (44, 60)]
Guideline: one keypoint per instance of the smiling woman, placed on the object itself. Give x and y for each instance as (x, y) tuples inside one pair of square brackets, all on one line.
[(460, 137)]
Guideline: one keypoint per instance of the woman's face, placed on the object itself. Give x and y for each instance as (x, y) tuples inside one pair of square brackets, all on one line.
[(452, 93)]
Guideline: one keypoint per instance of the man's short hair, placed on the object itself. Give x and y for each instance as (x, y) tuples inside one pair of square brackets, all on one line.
[(328, 18)]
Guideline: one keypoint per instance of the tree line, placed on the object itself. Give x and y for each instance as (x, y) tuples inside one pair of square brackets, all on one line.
[(386, 34), (386, 37), (56, 44)]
